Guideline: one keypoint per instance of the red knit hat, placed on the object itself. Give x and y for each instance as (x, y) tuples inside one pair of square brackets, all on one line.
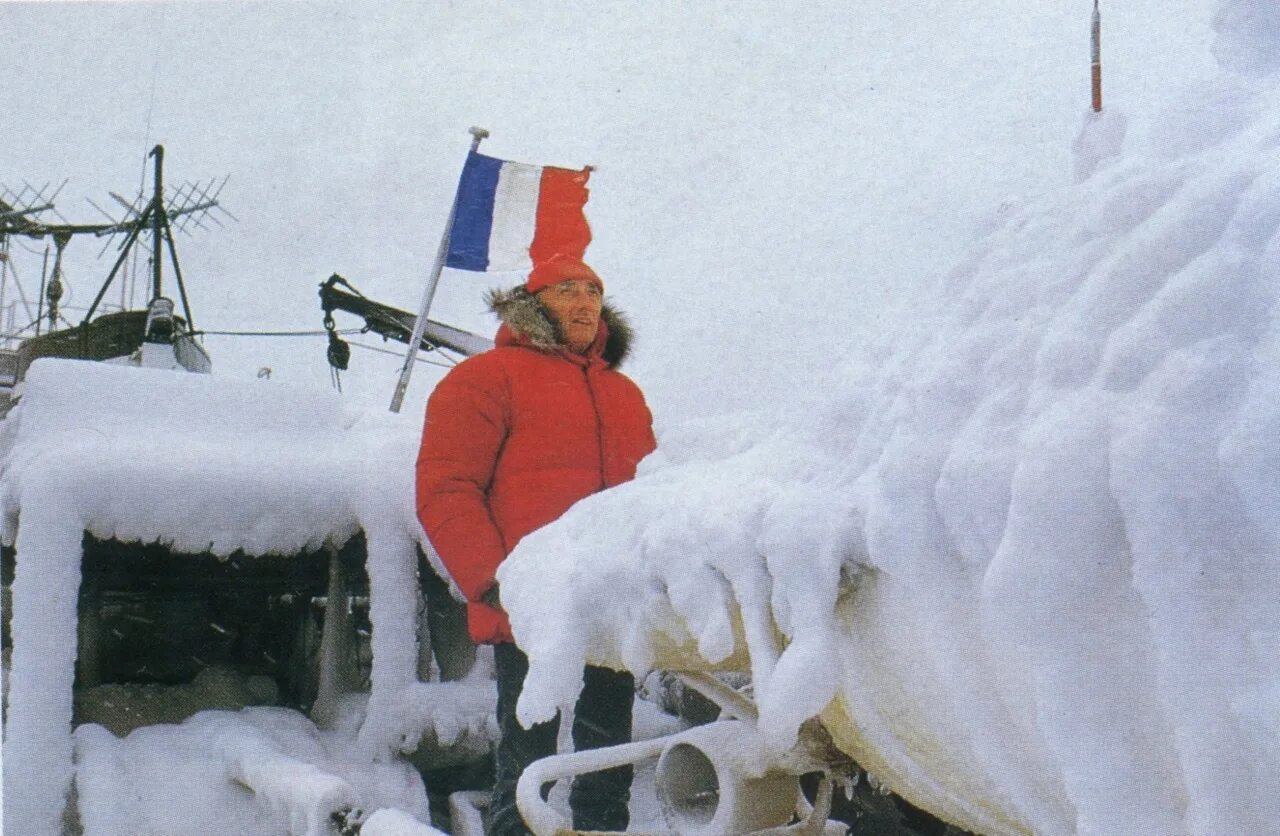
[(560, 268)]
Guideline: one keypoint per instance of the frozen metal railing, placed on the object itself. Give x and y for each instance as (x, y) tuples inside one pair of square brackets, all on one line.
[(710, 780)]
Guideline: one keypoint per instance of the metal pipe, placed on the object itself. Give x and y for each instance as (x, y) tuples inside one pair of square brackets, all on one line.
[(124, 253), (737, 706), (157, 221), (540, 816), (1097, 58), (713, 780), (177, 273)]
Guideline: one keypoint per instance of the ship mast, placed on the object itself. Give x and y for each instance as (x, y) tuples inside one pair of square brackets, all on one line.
[(157, 222)]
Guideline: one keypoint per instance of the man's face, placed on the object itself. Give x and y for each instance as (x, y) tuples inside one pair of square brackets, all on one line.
[(574, 306)]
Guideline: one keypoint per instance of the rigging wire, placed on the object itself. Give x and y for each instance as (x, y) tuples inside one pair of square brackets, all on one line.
[(129, 282), (206, 333), (450, 362), (448, 365), (341, 332), (151, 102), (34, 250)]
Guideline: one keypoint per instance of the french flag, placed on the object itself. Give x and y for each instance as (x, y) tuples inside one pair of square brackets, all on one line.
[(510, 216)]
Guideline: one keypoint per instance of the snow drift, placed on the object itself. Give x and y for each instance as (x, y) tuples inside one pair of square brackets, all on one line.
[(1022, 550)]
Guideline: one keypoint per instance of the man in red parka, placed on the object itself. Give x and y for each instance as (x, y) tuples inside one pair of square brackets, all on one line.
[(513, 437)]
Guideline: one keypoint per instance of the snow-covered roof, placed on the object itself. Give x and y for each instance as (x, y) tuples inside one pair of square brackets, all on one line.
[(202, 463)]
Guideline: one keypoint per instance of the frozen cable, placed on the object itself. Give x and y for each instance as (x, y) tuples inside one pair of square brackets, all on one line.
[(448, 365), (205, 333)]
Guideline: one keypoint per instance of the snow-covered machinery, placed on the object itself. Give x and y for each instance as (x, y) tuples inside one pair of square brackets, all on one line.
[(174, 543), (183, 543)]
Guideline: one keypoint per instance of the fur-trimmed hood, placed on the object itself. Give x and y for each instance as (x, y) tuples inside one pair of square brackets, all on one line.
[(522, 313)]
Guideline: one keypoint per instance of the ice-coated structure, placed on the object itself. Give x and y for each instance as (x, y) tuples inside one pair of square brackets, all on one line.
[(204, 464), (1023, 552)]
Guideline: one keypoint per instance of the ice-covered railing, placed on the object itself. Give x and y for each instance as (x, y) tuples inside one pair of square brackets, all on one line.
[(1029, 542), (200, 464), (454, 721)]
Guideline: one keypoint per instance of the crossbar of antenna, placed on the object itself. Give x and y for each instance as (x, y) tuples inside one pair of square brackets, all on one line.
[(38, 195), (195, 207), (219, 206), (131, 207), (194, 202), (204, 192), (30, 210), (191, 191), (181, 195), (191, 213), (101, 211)]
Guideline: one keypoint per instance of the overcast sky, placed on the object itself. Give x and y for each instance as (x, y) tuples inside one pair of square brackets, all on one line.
[(770, 175)]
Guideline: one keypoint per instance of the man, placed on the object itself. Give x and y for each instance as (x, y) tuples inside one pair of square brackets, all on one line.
[(513, 437)]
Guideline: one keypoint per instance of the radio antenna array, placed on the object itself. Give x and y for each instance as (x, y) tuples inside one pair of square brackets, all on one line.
[(19, 208), (166, 208)]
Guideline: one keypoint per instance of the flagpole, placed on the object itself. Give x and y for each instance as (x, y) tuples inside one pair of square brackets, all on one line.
[(420, 324)]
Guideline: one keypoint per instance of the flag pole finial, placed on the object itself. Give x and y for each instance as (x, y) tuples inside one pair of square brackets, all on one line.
[(479, 133)]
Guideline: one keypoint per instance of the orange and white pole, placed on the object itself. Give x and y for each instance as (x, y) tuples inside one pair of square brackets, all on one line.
[(1097, 58)]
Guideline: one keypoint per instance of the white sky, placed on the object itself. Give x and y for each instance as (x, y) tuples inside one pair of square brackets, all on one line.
[(770, 175)]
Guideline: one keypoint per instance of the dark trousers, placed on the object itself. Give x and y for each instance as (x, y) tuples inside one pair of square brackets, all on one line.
[(454, 652), (602, 718)]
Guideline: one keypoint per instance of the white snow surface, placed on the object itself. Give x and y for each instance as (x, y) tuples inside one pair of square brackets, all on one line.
[(1029, 535), (395, 823), (195, 778)]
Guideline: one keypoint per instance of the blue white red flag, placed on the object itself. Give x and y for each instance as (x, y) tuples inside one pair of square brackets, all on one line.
[(510, 216)]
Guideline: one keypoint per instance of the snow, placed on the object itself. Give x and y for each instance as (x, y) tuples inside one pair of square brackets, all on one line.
[(194, 777), (1025, 541), (459, 718), (1016, 546), (395, 823)]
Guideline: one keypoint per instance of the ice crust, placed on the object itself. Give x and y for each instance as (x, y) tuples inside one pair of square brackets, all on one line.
[(1028, 537)]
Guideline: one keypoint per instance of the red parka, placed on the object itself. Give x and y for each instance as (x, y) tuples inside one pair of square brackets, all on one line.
[(516, 435)]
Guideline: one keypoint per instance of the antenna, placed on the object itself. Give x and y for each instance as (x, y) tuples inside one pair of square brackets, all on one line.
[(1096, 67), (192, 202), (19, 208)]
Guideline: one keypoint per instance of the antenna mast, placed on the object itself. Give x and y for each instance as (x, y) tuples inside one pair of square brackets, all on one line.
[(189, 203), (1097, 58)]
